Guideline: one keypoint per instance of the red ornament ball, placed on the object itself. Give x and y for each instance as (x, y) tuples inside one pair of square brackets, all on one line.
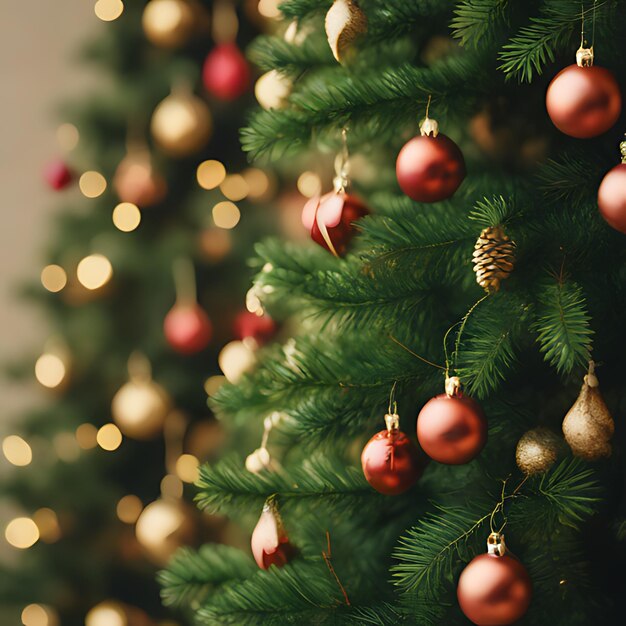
[(391, 462), (226, 73), (452, 429), (612, 198), (137, 181), (494, 590), (187, 328), (330, 220), (270, 544), (583, 102), (57, 175), (261, 328), (430, 169)]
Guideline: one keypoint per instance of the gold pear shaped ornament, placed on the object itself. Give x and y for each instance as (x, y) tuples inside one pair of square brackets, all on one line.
[(588, 425)]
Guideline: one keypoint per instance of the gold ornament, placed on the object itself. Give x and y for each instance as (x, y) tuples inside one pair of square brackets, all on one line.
[(588, 425), (181, 124), (168, 23), (345, 21), (137, 182), (494, 258), (537, 450), (164, 526), (272, 90)]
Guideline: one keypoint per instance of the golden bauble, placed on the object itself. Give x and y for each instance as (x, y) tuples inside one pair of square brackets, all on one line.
[(272, 90), (588, 425), (139, 409), (537, 450), (168, 23), (164, 526), (136, 180), (181, 124)]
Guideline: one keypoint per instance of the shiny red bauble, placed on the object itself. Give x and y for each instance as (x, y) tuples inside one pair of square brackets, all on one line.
[(612, 198), (494, 590), (187, 328), (57, 175), (226, 73), (583, 102), (261, 328), (391, 462), (430, 169), (330, 220), (452, 429), (270, 544)]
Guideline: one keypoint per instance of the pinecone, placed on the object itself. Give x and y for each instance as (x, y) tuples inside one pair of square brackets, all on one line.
[(494, 258)]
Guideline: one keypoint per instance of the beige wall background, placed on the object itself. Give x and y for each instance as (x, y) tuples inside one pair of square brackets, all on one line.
[(38, 39)]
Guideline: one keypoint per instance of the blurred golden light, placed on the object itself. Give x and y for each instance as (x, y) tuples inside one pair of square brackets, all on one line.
[(22, 533), (53, 278), (38, 615), (226, 215), (253, 301), (215, 243), (272, 90), (50, 370), (17, 451), (68, 137), (188, 468), (158, 522), (129, 509), (172, 486), (106, 614), (309, 184), (210, 174), (109, 437), (109, 10), (92, 184), (235, 359), (234, 187), (269, 8), (126, 216), (94, 271), (86, 436), (213, 383), (66, 446), (48, 525), (258, 182)]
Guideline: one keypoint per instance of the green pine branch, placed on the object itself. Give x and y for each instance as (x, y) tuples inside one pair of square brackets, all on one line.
[(476, 19)]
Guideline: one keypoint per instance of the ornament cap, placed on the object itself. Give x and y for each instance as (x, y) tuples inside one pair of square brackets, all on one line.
[(428, 126), (453, 386), (393, 421), (584, 57), (591, 380), (496, 545)]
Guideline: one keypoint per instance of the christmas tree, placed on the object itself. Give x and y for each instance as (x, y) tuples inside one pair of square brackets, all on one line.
[(467, 270), (144, 286)]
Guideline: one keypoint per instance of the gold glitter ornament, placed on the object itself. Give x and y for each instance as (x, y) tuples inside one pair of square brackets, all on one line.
[(537, 450)]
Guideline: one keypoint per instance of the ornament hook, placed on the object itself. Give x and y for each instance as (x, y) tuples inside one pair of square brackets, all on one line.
[(427, 125), (342, 164)]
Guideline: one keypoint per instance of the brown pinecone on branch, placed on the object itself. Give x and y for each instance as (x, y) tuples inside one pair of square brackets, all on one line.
[(493, 257)]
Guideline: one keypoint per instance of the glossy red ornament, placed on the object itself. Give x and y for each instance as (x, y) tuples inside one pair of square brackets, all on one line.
[(270, 544), (330, 220), (390, 460), (495, 588), (57, 175), (261, 328), (187, 328), (226, 73), (429, 168), (451, 427), (583, 102), (612, 198)]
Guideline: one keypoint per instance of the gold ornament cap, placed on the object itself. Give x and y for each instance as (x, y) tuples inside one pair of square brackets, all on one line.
[(495, 544), (392, 420), (584, 57)]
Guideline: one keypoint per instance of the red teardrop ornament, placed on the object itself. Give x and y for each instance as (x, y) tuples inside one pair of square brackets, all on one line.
[(270, 544), (226, 73), (187, 328), (261, 328)]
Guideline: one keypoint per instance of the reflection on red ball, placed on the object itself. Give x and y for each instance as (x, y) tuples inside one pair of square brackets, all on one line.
[(187, 328), (57, 175), (330, 219), (494, 590), (391, 462), (452, 429), (430, 169), (583, 102), (226, 73), (612, 198), (261, 328)]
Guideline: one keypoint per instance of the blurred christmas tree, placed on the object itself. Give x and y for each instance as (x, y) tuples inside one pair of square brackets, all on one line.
[(144, 291), (475, 296)]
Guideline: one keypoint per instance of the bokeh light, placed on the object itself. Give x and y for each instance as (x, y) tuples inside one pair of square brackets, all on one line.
[(17, 451), (269, 8), (94, 271), (66, 446), (258, 182), (226, 215), (22, 533), (92, 184), (234, 187), (108, 10), (309, 184), (188, 468), (109, 437), (129, 509), (50, 370), (106, 614), (48, 525), (235, 359), (210, 174), (38, 615), (53, 278), (68, 137), (213, 384), (171, 486), (87, 436), (126, 216)]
